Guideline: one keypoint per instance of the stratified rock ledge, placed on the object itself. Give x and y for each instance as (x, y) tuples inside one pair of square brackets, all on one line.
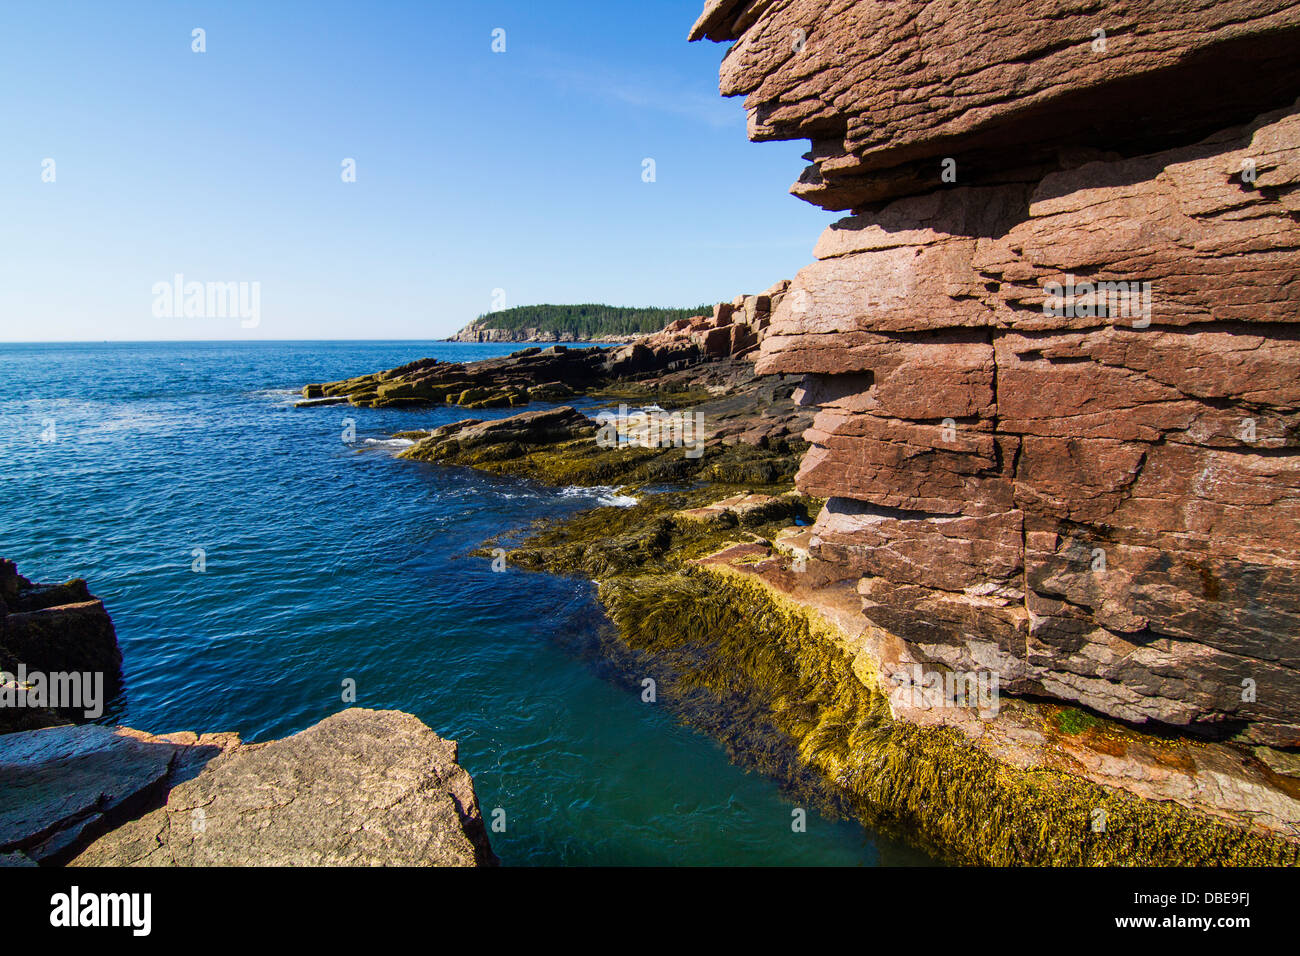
[(53, 628), (1099, 500)]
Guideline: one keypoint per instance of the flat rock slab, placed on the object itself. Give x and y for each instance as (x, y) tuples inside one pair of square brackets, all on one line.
[(527, 428), (60, 785), (360, 788), (740, 507)]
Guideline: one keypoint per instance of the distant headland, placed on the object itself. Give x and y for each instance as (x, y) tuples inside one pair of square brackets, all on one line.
[(571, 323)]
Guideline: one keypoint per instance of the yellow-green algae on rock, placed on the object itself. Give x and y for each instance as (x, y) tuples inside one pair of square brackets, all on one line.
[(774, 678), (769, 677), (582, 461), (772, 667)]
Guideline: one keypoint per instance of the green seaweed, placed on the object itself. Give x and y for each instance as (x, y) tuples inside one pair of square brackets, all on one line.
[(583, 462), (649, 536), (666, 397), (1072, 721), (768, 679)]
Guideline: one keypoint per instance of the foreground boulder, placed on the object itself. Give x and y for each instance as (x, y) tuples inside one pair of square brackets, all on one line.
[(361, 788)]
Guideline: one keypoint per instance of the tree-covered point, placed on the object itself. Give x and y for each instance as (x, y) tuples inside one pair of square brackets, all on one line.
[(585, 321)]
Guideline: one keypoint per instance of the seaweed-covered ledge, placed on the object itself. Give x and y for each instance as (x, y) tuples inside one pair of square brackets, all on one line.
[(716, 591)]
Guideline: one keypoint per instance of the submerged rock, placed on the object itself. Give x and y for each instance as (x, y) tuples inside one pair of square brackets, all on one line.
[(318, 402)]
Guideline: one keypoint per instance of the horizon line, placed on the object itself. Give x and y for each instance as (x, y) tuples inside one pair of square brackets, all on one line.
[(4, 342)]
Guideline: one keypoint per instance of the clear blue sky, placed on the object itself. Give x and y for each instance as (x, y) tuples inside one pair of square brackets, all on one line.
[(476, 170)]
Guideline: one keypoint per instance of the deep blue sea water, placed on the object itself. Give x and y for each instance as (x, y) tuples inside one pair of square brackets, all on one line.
[(328, 561)]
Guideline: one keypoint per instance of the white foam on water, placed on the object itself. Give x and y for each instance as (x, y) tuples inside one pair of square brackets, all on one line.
[(391, 442), (617, 501), (280, 396), (606, 495)]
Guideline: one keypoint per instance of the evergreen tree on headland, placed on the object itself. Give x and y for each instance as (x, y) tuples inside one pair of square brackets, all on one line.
[(585, 321)]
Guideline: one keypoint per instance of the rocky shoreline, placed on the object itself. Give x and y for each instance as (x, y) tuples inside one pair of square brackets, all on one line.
[(734, 330), (714, 581), (981, 530), (1044, 604), (1055, 402), (1054, 434), (362, 787)]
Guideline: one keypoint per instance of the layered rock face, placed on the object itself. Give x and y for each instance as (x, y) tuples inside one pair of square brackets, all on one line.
[(1056, 388), (887, 89)]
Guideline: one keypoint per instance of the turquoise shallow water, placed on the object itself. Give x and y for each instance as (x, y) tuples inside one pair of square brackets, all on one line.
[(328, 561)]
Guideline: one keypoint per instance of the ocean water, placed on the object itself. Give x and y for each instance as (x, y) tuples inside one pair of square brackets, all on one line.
[(329, 562)]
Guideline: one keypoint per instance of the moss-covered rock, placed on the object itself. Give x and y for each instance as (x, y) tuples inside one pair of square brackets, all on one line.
[(653, 536), (582, 461)]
